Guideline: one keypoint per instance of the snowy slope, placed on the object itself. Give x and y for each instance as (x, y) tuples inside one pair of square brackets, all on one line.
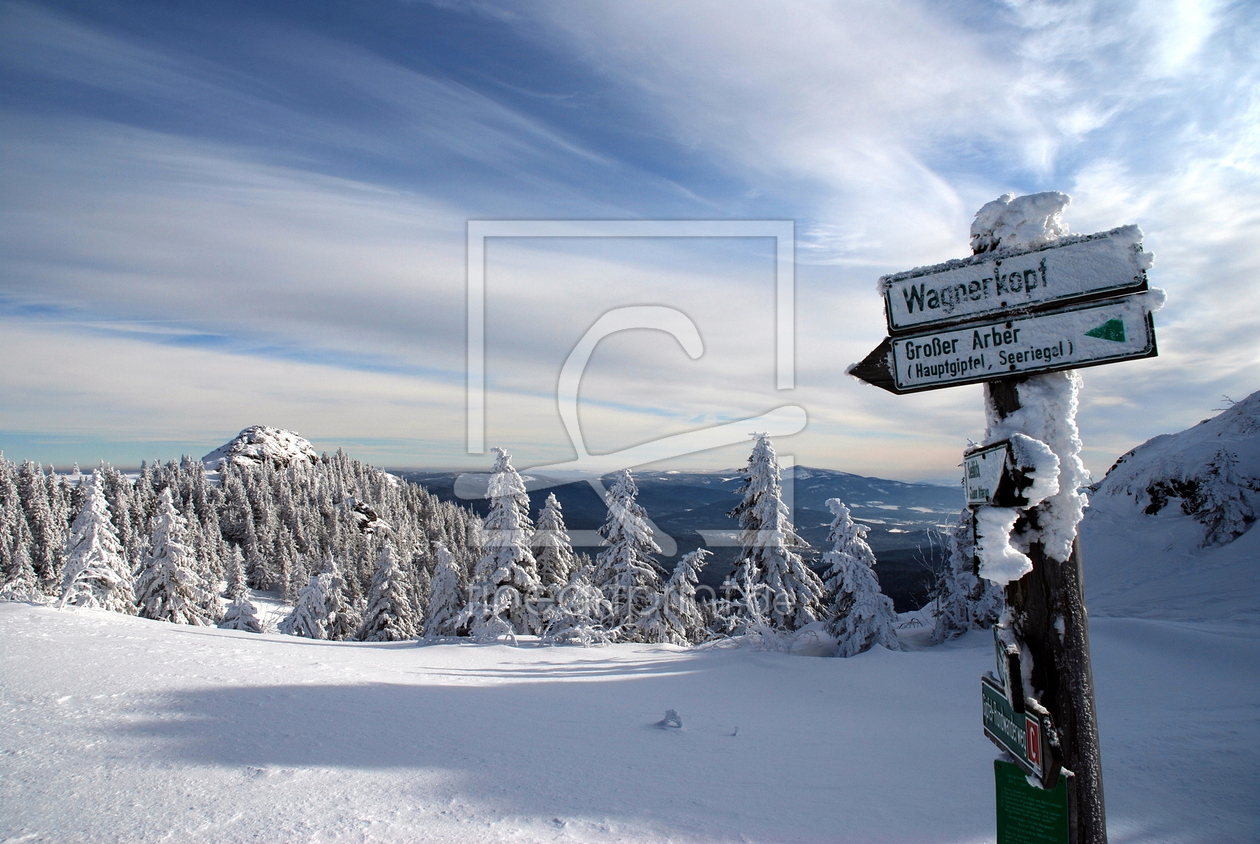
[(259, 443), (1169, 532), (118, 728)]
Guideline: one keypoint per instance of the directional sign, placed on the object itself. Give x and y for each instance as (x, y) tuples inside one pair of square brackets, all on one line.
[(1021, 734), (1073, 269), (1094, 333)]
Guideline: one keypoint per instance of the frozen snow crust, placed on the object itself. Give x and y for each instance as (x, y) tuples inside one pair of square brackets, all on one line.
[(259, 443), (116, 728)]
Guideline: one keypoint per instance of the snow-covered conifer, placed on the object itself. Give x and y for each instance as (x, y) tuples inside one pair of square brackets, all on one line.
[(389, 616), (575, 616), (18, 581), (626, 573), (683, 620), (1223, 505), (321, 611), (240, 614), (345, 614), (445, 596), (96, 573), (46, 555), (505, 585), (963, 601), (169, 587), (861, 616), (786, 589), (552, 548)]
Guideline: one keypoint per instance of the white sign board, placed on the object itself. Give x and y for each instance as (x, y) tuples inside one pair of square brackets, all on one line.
[(1096, 266), (1090, 334), (982, 472)]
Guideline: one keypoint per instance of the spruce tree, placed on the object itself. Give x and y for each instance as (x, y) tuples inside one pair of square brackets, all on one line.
[(963, 601), (169, 587), (322, 611), (575, 617), (96, 573), (505, 583), (389, 616), (552, 548), (626, 572), (860, 616), (682, 621), (46, 555), (784, 588), (446, 603), (241, 614), (345, 616), (18, 581)]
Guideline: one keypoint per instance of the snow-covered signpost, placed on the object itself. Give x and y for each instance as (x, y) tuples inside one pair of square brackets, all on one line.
[(1030, 305)]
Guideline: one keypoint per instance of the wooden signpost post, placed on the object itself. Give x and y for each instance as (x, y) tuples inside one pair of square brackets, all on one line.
[(999, 319)]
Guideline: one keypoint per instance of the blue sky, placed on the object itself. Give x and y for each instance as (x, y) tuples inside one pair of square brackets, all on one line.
[(221, 214)]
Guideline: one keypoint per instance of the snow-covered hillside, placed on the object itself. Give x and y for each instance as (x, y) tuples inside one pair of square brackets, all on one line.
[(1169, 531), (258, 444), (115, 728)]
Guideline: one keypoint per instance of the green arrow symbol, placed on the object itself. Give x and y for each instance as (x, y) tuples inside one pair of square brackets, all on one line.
[(1112, 329)]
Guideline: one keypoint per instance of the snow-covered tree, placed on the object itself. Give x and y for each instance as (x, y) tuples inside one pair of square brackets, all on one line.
[(446, 601), (1223, 505), (861, 616), (963, 601), (96, 573), (46, 549), (169, 587), (677, 619), (786, 590), (575, 616), (625, 571), (389, 616), (552, 548), (505, 585), (240, 614), (18, 581), (322, 611)]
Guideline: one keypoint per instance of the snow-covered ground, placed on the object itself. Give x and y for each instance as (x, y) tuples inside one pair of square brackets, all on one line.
[(121, 729)]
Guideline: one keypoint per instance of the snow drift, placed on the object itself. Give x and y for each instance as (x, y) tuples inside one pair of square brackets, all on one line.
[(1169, 531)]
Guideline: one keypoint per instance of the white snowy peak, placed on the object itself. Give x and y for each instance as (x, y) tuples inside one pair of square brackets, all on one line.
[(259, 444), (1211, 471)]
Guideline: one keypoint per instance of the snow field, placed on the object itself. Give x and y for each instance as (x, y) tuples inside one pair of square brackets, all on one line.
[(120, 728)]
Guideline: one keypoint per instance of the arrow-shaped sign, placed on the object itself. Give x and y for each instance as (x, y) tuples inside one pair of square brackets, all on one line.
[(1072, 338)]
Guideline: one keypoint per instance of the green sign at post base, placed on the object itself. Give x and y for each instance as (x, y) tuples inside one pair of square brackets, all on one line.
[(1026, 814)]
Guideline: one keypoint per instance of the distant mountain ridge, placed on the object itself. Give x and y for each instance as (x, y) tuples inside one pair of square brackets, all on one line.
[(693, 508)]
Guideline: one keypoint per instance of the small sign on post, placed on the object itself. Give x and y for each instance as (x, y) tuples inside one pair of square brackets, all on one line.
[(990, 477), (1024, 735)]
